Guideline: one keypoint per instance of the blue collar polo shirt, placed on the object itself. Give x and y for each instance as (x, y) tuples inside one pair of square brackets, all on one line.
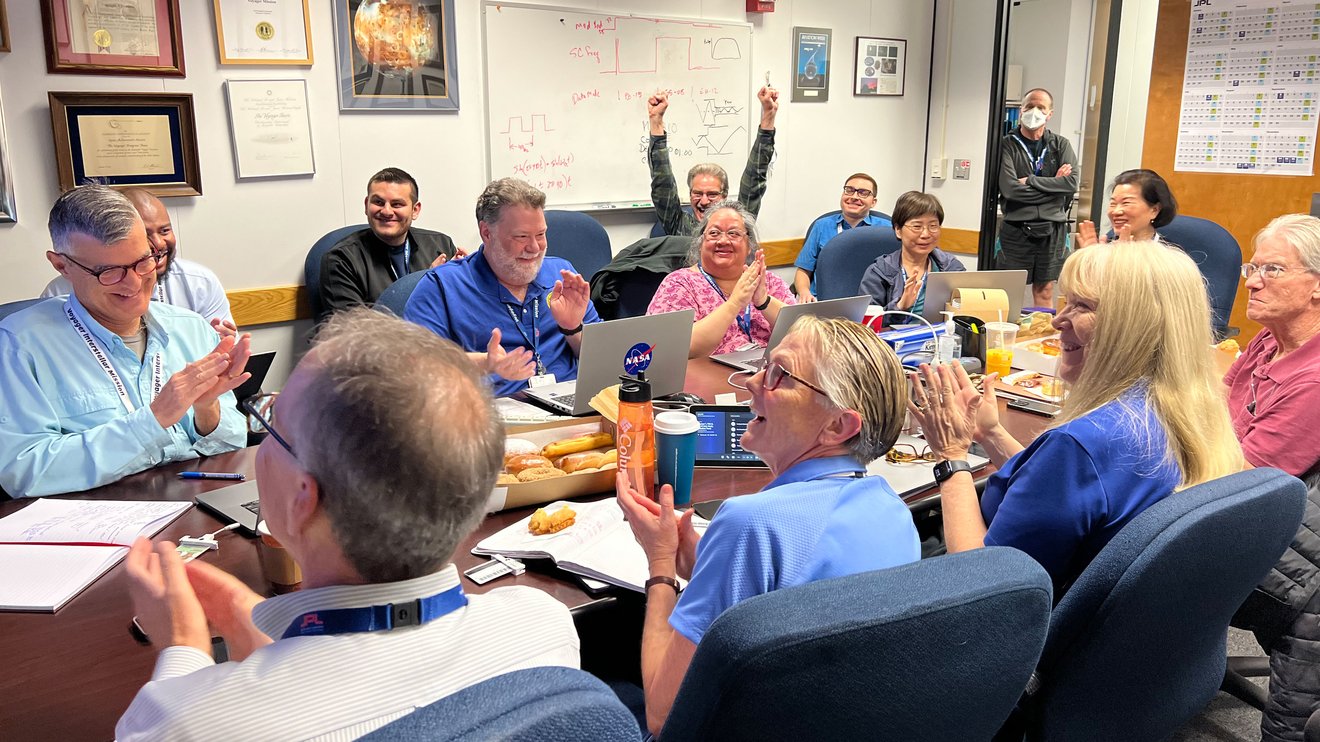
[(463, 301), (69, 422), (822, 231)]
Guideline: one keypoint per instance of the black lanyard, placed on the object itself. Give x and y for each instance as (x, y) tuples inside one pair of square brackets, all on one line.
[(1036, 162)]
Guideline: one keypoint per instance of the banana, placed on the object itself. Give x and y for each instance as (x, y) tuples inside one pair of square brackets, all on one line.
[(577, 445)]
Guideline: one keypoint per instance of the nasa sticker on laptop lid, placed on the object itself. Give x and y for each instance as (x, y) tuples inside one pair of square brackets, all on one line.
[(637, 359)]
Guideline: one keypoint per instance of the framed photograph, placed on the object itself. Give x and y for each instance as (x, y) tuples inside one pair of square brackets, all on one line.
[(879, 66), (147, 140), (4, 28), (271, 128), (396, 55), (113, 37), (8, 211), (263, 31), (811, 64)]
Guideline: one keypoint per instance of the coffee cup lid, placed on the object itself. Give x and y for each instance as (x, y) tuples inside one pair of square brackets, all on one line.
[(675, 422), (261, 527)]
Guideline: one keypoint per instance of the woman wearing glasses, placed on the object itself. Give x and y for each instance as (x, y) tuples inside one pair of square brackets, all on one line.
[(898, 280), (736, 300), (1273, 395), (1140, 202), (1144, 416), (829, 401)]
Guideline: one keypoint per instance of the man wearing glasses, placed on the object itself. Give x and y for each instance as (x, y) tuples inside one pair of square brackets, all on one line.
[(180, 282), (854, 211), (831, 400), (105, 382), (708, 183)]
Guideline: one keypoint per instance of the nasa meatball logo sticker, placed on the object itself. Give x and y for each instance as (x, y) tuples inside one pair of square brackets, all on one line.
[(638, 358)]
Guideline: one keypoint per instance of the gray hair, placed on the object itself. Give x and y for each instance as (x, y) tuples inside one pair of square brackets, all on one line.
[(710, 168), (507, 192), (98, 211), (749, 222), (860, 372), (1300, 231), (400, 432)]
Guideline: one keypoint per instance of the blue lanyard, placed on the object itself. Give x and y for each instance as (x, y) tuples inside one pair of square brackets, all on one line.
[(377, 617), (407, 260), (535, 339), (1038, 162), (744, 317)]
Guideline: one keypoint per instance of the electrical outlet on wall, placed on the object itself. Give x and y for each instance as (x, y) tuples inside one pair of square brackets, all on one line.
[(937, 168)]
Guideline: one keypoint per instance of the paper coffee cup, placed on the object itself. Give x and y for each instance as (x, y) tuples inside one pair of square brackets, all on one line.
[(276, 562), (676, 452)]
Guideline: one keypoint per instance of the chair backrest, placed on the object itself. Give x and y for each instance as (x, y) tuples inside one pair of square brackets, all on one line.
[(395, 297), (658, 229), (579, 239), (550, 704), (312, 263), (844, 259), (1136, 645), (1218, 256), (938, 649), (16, 306)]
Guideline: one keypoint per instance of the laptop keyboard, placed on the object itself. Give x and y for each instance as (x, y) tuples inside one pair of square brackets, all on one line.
[(253, 507), (567, 400)]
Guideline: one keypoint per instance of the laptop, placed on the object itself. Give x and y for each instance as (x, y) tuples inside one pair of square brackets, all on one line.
[(234, 504), (941, 285), (656, 344), (752, 359)]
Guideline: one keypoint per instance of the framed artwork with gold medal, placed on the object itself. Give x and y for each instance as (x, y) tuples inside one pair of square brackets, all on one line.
[(263, 32), (113, 37)]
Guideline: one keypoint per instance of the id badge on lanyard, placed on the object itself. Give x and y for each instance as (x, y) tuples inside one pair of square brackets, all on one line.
[(102, 360), (535, 339)]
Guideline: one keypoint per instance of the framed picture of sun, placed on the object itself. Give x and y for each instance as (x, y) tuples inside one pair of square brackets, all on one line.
[(396, 55)]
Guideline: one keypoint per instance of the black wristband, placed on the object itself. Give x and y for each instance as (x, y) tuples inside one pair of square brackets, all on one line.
[(761, 307), (573, 331), (662, 580)]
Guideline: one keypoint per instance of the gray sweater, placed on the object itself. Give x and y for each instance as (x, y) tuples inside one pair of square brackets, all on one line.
[(1043, 197)]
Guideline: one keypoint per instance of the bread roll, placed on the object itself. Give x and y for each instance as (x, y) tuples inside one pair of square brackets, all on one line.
[(516, 446), (516, 464), (537, 473), (578, 461)]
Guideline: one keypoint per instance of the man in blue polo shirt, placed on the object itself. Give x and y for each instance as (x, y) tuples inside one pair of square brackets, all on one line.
[(854, 210), (517, 312)]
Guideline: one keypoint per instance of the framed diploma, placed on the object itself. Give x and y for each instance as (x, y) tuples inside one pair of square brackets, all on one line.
[(113, 37), (396, 55), (271, 128), (4, 28), (8, 213), (263, 31), (148, 140), (879, 66)]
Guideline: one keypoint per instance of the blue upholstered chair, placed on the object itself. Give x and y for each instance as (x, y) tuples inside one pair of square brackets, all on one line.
[(395, 297), (939, 649), (1218, 256), (540, 704), (312, 264), (1136, 645), (579, 239), (844, 259), (16, 306)]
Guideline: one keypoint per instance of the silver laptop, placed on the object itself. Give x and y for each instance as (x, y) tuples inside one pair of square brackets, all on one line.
[(752, 359), (655, 343), (940, 287), (234, 504)]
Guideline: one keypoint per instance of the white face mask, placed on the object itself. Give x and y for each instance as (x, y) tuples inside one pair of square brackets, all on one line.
[(1033, 118)]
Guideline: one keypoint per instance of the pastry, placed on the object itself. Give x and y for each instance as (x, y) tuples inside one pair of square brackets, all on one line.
[(516, 464), (543, 523), (505, 478), (575, 462), (537, 473), (515, 446), (577, 444)]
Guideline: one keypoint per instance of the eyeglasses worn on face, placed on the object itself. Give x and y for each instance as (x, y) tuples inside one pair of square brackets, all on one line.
[(775, 374), (916, 228), (260, 409), (1268, 270), (111, 275), (736, 235), (711, 195), (863, 192)]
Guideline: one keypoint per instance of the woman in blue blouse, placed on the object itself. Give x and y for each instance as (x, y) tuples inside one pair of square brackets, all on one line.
[(1145, 416)]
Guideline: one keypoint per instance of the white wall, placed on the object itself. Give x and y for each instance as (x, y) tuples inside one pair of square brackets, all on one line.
[(1049, 38), (1136, 50)]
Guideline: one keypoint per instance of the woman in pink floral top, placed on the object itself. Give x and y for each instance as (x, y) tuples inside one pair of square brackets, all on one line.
[(735, 298)]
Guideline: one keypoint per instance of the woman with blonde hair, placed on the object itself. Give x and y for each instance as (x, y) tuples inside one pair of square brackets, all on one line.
[(1144, 418)]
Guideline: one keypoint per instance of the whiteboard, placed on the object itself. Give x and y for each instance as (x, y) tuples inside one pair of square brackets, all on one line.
[(566, 94)]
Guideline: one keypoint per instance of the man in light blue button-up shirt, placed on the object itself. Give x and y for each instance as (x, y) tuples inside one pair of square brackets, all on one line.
[(105, 383)]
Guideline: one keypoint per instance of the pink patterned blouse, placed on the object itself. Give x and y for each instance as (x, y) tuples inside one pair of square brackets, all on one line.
[(688, 289)]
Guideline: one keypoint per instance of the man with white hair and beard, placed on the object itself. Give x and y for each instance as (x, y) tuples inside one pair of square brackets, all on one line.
[(516, 311)]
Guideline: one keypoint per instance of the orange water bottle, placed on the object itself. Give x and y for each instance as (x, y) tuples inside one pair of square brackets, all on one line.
[(636, 438)]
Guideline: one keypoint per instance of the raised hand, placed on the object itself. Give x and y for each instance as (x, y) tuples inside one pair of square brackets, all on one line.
[(769, 98), (164, 603), (1087, 235), (762, 291), (441, 259), (224, 328), (201, 382), (745, 289), (227, 603), (946, 409), (657, 104), (514, 365), (911, 287), (669, 542), (569, 299)]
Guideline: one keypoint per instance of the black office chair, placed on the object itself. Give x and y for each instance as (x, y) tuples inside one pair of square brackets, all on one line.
[(312, 263), (1219, 257)]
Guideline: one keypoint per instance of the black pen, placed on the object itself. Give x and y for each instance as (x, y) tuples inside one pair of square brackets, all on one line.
[(211, 475)]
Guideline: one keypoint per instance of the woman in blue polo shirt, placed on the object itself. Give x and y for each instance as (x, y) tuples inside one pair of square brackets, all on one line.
[(1144, 418)]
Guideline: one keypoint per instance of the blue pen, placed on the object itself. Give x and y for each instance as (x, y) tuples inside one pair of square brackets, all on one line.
[(211, 475)]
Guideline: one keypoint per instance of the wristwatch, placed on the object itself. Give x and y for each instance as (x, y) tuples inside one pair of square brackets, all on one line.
[(573, 331), (946, 469)]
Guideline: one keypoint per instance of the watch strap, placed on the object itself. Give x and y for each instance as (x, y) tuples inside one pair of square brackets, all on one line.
[(573, 331), (662, 580), (761, 307), (947, 468)]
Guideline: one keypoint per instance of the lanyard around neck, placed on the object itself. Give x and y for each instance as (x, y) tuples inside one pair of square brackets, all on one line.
[(744, 317), (157, 367), (535, 339), (407, 260), (1037, 162), (377, 617)]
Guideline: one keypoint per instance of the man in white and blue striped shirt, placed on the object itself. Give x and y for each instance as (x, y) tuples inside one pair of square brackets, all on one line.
[(382, 459)]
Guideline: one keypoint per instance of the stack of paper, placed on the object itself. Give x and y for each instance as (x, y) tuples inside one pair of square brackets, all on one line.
[(52, 549)]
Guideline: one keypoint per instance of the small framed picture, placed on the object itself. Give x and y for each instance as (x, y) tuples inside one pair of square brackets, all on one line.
[(148, 140), (265, 32), (8, 212), (113, 38), (879, 66), (271, 128), (396, 56), (4, 28), (811, 64)]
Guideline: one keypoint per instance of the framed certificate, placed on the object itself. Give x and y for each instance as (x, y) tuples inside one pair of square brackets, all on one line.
[(4, 28), (271, 128), (879, 66), (8, 213), (113, 37), (397, 55), (147, 140), (263, 31)]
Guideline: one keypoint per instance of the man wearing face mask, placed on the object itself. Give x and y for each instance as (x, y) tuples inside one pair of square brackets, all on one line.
[(1038, 178)]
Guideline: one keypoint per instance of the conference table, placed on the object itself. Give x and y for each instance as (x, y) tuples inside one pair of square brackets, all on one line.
[(71, 674)]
